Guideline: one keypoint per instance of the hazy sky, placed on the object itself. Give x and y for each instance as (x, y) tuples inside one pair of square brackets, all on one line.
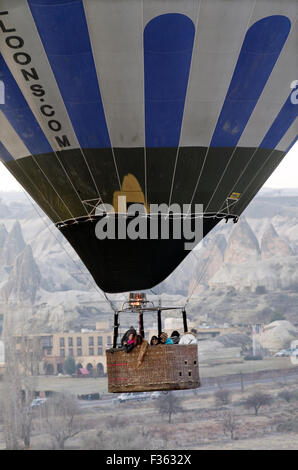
[(285, 176)]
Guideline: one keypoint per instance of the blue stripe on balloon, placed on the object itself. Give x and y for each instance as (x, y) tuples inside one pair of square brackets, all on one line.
[(65, 37), (260, 50), (281, 124), (168, 44), (20, 116), (4, 154)]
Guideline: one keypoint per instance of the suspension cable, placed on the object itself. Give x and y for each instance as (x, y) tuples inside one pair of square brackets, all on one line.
[(92, 284)]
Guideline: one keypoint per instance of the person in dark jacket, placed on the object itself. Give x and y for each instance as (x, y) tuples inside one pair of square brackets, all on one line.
[(125, 337), (175, 337)]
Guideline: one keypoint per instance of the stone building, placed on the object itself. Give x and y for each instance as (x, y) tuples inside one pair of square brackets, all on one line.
[(87, 347)]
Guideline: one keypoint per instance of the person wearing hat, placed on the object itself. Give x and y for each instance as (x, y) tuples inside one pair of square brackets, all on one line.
[(175, 337), (164, 339)]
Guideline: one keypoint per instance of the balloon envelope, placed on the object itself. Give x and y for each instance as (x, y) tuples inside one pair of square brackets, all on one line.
[(163, 102)]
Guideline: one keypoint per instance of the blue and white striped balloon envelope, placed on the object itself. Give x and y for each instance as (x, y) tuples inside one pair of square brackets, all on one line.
[(184, 102)]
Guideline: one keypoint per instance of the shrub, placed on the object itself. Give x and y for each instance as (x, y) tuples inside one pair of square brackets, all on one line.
[(277, 316), (260, 290), (286, 395), (222, 397), (290, 425), (69, 366), (258, 399)]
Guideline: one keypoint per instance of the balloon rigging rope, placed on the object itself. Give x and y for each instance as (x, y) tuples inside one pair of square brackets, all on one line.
[(252, 179), (220, 180), (92, 176), (256, 174), (196, 283), (202, 273), (93, 285), (68, 177), (33, 184), (67, 208), (244, 192)]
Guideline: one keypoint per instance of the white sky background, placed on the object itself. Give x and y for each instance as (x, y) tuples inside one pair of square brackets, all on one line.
[(285, 176)]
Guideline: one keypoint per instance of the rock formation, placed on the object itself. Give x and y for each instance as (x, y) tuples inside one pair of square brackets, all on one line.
[(14, 245), (278, 335), (272, 245), (242, 244), (3, 236), (24, 279), (245, 277)]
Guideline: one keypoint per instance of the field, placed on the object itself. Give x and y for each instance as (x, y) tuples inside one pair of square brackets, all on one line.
[(198, 421), (134, 425)]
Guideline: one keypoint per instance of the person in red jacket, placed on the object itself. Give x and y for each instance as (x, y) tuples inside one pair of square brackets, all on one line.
[(130, 343)]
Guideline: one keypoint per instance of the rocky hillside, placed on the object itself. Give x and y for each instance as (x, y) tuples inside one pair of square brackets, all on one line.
[(240, 273)]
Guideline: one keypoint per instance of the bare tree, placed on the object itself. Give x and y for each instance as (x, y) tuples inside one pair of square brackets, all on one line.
[(26, 418), (11, 401), (96, 440), (115, 422), (128, 438), (164, 437), (258, 399), (222, 397), (61, 419), (21, 361), (286, 395), (169, 404), (27, 359), (290, 424), (230, 423)]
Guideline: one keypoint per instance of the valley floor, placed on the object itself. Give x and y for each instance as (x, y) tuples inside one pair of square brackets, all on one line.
[(109, 424)]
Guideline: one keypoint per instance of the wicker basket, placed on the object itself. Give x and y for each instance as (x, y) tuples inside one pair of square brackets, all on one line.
[(164, 367)]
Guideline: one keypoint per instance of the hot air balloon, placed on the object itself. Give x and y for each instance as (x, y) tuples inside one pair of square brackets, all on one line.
[(161, 367), (160, 102)]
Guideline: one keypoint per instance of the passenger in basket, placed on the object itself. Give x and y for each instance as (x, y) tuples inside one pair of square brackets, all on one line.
[(125, 337), (143, 343), (154, 341), (175, 336), (189, 338), (130, 343), (164, 339)]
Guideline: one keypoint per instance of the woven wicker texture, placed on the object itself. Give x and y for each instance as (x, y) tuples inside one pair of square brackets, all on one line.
[(164, 367)]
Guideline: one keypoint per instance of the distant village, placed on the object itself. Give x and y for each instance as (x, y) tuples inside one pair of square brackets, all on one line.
[(86, 348)]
